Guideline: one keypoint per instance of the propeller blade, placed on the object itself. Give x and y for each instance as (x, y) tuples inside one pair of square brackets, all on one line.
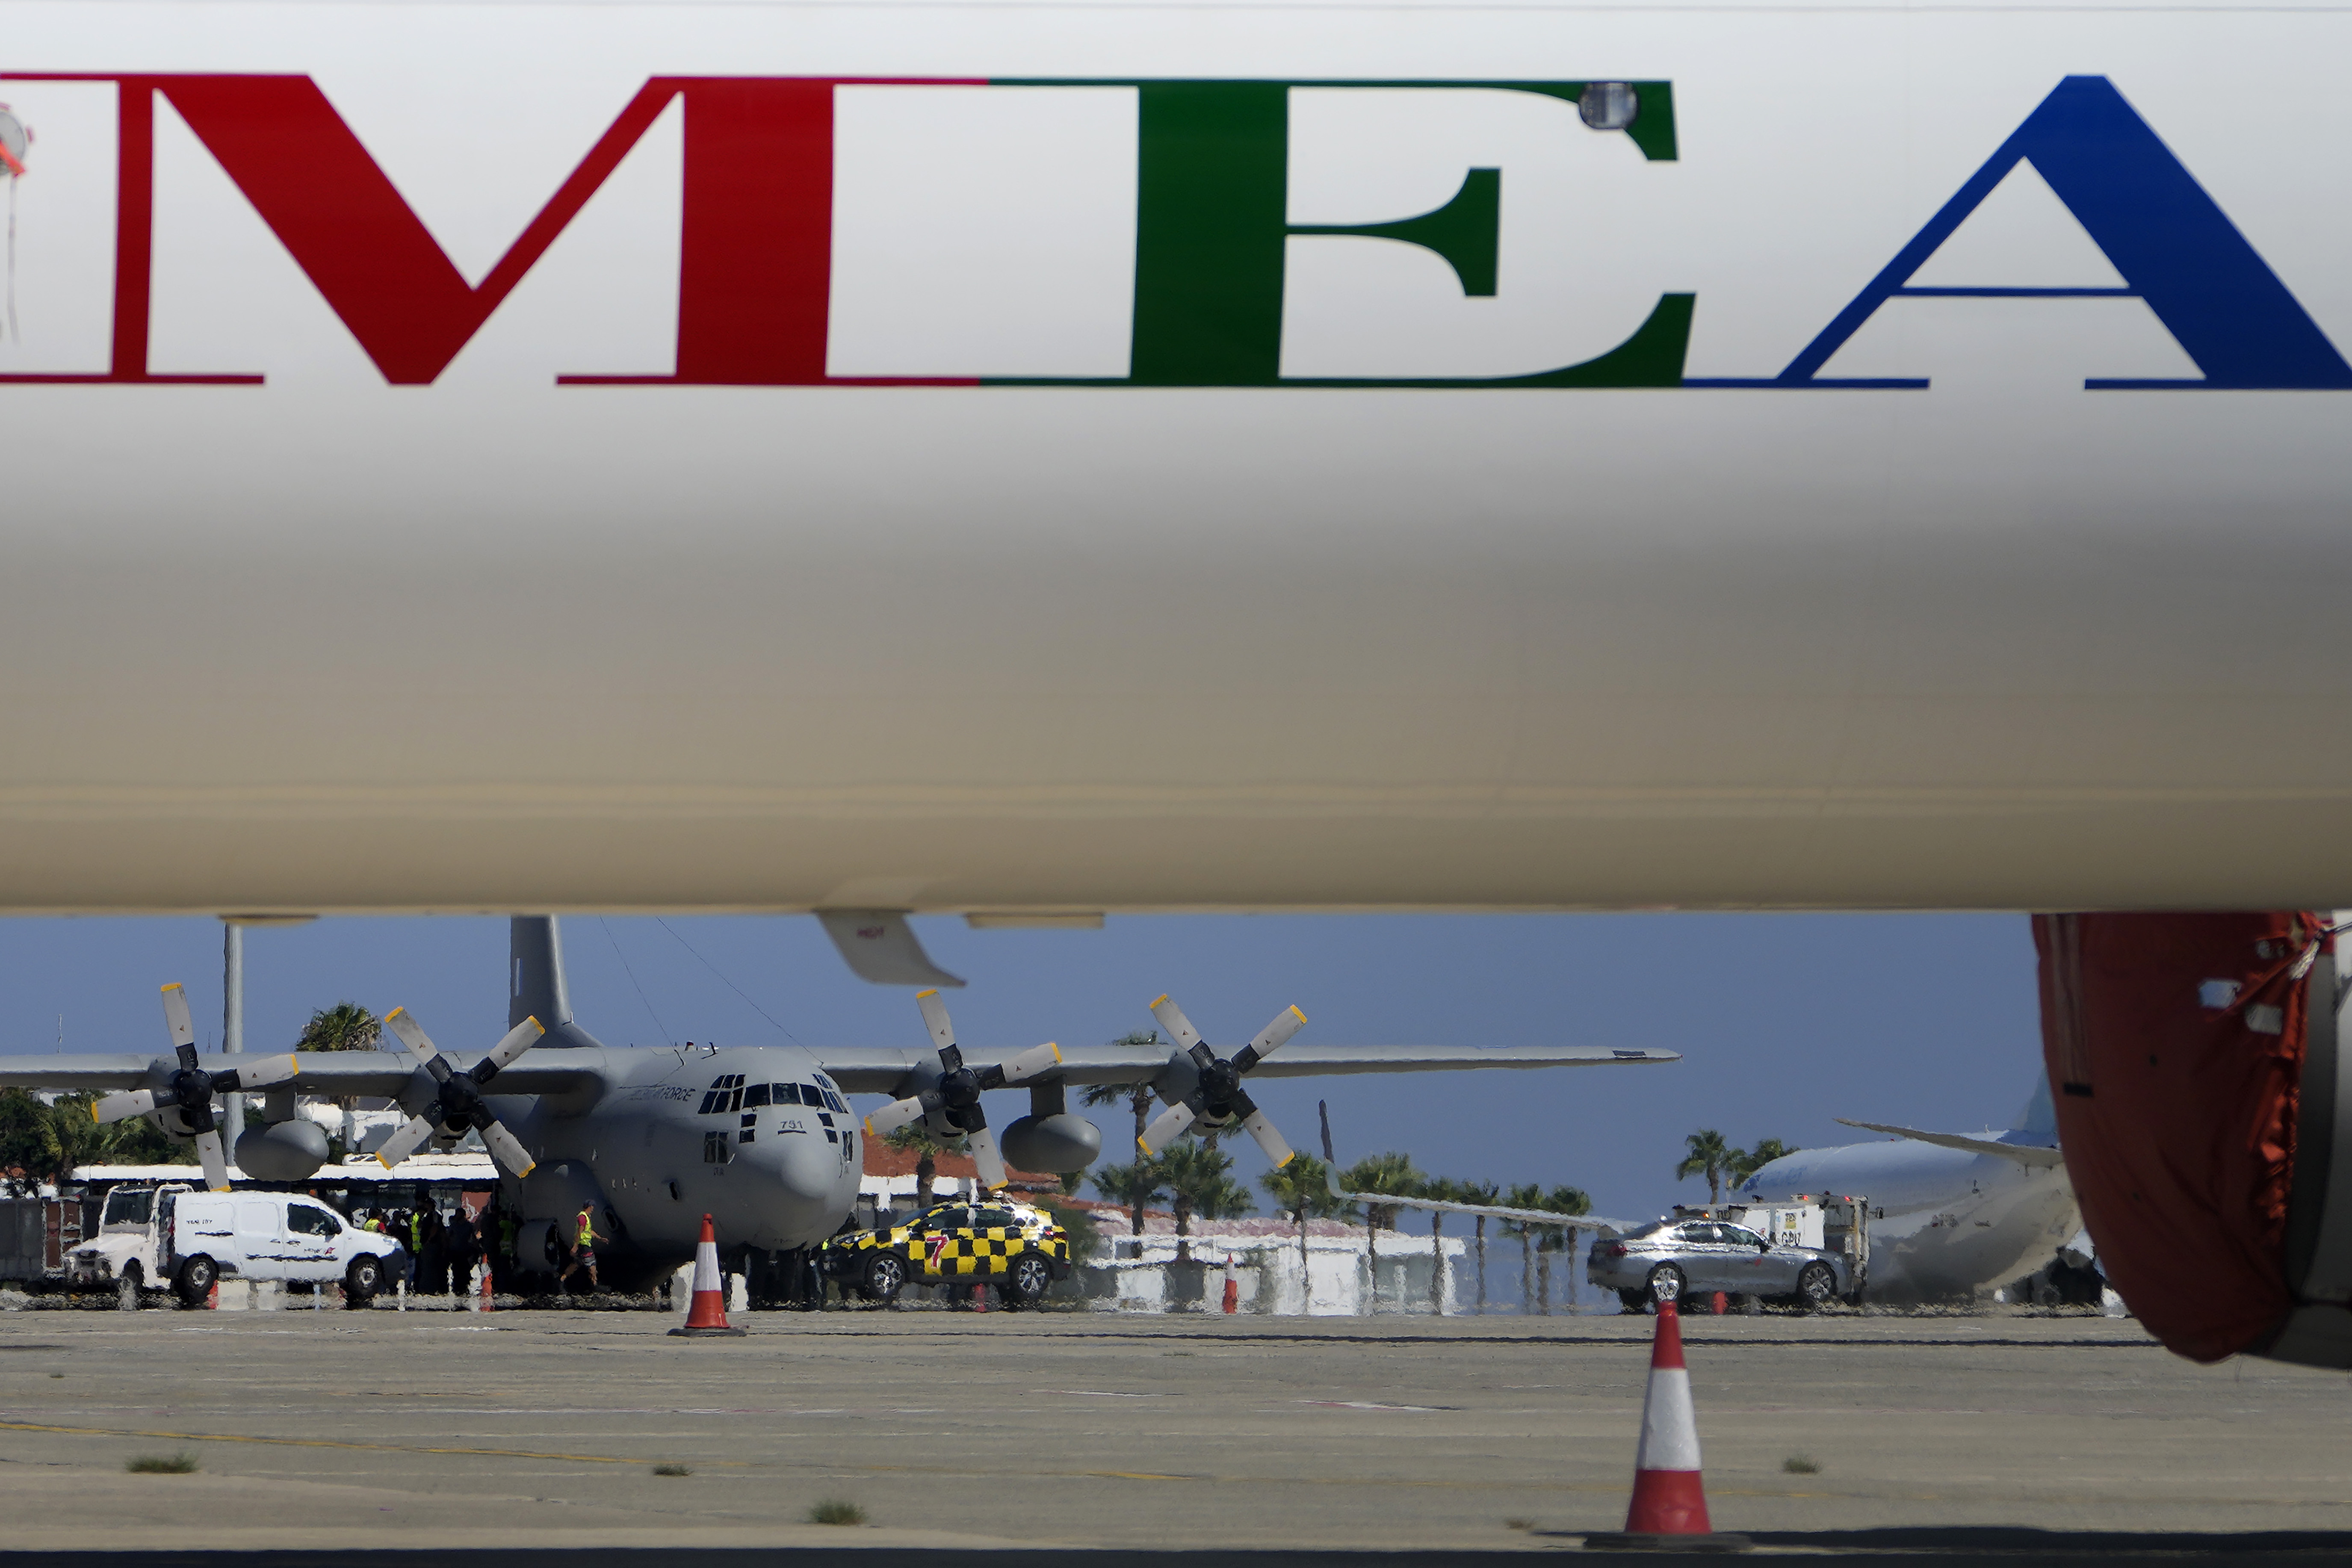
[(214, 1159), (130, 1102), (182, 1027), (507, 1150), (1258, 1127), (411, 1137), (401, 1022), (989, 1161), (935, 1018), (519, 1038), (893, 1116), (1180, 1028), (1270, 1039), (1029, 1064), (1165, 1129), (264, 1072)]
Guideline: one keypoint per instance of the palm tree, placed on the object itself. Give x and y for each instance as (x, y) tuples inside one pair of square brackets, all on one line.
[(1136, 1096), (1489, 1194), (1385, 1172), (1200, 1180), (1568, 1201), (1300, 1187), (1443, 1190), (1709, 1155), (1137, 1186), (345, 1026), (1746, 1162), (1526, 1196)]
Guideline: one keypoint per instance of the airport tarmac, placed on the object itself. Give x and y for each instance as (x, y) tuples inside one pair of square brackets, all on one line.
[(386, 1429)]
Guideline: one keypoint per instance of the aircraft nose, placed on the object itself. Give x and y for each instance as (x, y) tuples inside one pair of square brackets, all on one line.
[(804, 1165)]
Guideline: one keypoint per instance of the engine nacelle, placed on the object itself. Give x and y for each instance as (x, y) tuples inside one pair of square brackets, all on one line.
[(1059, 1143), (2207, 1123), (282, 1152)]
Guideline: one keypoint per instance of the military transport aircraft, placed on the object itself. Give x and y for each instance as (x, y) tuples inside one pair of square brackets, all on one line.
[(759, 1137)]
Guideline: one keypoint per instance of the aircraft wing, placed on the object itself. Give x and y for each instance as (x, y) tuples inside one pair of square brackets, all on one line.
[(2023, 1153), (382, 1073), (1492, 1211), (882, 1069)]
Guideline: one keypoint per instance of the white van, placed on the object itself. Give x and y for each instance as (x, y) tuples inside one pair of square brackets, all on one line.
[(269, 1235)]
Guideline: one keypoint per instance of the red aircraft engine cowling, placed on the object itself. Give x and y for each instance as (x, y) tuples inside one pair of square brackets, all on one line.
[(2193, 1064)]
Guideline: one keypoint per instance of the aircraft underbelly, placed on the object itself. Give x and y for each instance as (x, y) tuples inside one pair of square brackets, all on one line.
[(494, 641)]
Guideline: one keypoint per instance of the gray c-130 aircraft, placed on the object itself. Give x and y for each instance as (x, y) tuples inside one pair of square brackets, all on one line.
[(760, 1138)]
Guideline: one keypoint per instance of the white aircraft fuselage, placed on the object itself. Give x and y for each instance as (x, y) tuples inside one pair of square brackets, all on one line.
[(1948, 1222), (1005, 458)]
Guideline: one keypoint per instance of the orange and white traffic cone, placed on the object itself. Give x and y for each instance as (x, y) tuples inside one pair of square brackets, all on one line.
[(706, 1317), (1669, 1499), (1233, 1287), (212, 1298), (490, 1303)]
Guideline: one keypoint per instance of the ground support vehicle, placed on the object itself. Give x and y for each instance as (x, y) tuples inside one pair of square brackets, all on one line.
[(36, 1236), (1020, 1251), (172, 1237), (128, 1254), (1694, 1253)]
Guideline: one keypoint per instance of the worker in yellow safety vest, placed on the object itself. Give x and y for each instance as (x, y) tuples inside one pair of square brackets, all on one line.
[(583, 1248)]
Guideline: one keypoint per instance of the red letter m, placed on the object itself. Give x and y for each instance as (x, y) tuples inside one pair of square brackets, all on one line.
[(756, 245)]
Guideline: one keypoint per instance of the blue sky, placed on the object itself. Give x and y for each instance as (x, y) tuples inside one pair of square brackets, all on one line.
[(1785, 1020)]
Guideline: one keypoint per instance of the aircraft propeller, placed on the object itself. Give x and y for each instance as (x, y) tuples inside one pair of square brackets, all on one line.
[(191, 1089), (1219, 1096), (458, 1103), (955, 1099)]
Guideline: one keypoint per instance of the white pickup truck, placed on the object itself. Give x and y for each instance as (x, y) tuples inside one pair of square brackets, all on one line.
[(150, 1237)]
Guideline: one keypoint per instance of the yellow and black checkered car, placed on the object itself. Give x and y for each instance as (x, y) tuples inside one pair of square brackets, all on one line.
[(1019, 1249)]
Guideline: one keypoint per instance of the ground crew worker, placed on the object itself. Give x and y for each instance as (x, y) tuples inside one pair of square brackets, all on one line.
[(584, 1250)]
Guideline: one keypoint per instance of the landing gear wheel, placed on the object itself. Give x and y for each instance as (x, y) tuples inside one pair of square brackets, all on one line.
[(197, 1276), (1025, 1285), (362, 1281), (1635, 1301), (1666, 1283), (1816, 1286), (885, 1276)]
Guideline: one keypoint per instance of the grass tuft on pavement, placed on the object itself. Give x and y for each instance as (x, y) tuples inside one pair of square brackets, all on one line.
[(835, 1510), (161, 1465), (672, 1470), (1801, 1464)]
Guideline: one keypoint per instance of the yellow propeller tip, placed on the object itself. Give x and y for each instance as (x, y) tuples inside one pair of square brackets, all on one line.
[(93, 1110), (175, 985), (395, 1013), (1158, 999), (1302, 1017), (384, 1163), (1055, 1048), (526, 1170), (1287, 1159), (932, 992)]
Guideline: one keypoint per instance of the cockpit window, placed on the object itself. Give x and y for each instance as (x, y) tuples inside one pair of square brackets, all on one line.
[(755, 1095), (788, 1094)]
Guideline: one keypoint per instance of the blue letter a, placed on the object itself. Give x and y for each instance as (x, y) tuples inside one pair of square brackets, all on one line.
[(2175, 248)]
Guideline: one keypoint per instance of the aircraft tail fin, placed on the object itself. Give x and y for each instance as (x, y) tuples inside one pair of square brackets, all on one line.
[(2039, 1115), (535, 988)]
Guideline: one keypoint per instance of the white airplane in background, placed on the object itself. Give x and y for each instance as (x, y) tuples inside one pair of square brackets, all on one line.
[(1951, 1212)]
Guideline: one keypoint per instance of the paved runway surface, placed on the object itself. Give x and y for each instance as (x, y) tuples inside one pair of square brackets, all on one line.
[(389, 1430)]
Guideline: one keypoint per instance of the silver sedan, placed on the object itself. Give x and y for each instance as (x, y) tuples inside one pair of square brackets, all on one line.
[(1666, 1259)]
